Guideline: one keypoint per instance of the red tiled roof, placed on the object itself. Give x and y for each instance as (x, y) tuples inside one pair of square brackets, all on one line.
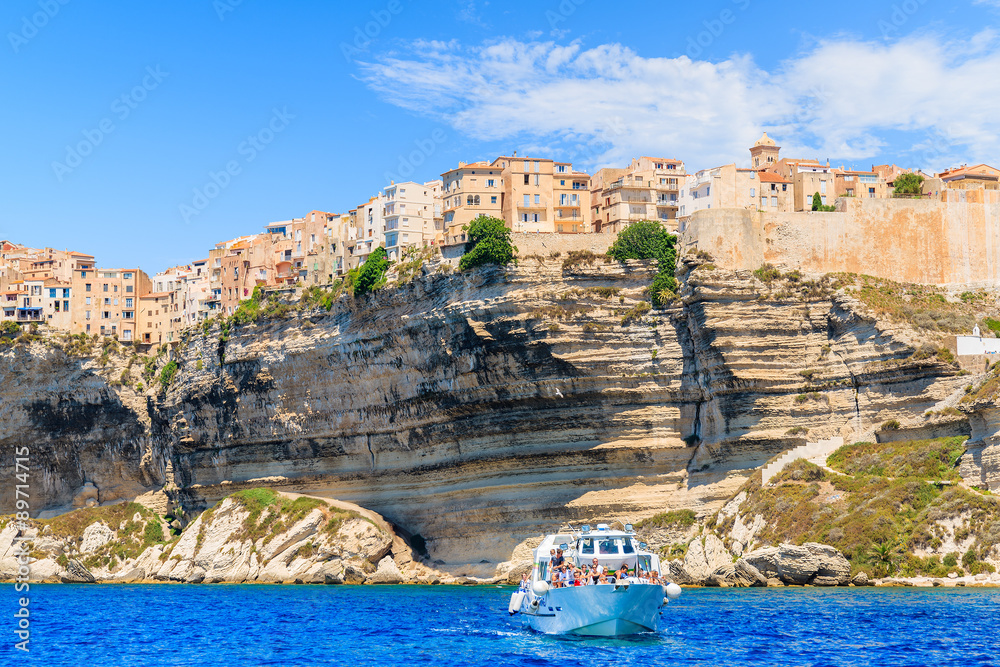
[(770, 177)]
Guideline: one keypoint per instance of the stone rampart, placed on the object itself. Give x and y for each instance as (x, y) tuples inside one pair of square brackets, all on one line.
[(916, 241)]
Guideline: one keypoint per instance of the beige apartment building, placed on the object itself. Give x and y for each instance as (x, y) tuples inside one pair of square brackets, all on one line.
[(731, 187), (469, 191), (649, 189), (862, 184), (106, 301), (809, 177), (540, 195), (159, 316)]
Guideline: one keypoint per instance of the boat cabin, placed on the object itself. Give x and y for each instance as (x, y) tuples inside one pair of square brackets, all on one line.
[(610, 547)]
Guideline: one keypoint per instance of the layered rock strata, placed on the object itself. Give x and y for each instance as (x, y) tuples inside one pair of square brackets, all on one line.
[(477, 411)]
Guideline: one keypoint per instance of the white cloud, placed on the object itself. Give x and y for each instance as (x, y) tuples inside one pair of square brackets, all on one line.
[(602, 105)]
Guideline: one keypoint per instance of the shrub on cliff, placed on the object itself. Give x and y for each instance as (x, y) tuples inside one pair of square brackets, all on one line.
[(646, 240), (488, 243), (8, 332), (167, 374), (371, 275), (650, 240)]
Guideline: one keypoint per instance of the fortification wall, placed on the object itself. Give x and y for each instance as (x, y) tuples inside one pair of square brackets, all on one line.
[(543, 244), (918, 241)]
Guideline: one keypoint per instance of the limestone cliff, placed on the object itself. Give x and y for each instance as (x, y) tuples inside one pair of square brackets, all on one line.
[(257, 536), (475, 411)]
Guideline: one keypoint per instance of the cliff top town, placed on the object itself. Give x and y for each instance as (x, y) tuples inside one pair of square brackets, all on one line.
[(69, 291)]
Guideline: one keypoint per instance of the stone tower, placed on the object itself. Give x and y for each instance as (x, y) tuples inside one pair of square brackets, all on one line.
[(764, 153)]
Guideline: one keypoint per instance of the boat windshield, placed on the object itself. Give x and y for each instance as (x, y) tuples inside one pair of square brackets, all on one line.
[(587, 546), (609, 547)]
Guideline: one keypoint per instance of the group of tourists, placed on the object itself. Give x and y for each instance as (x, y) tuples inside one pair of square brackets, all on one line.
[(563, 574)]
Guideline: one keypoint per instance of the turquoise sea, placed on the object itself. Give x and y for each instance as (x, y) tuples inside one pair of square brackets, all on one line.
[(222, 626)]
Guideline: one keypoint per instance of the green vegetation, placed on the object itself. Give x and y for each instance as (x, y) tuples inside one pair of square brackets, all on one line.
[(797, 430), (650, 240), (908, 184), (991, 324), (635, 313), (818, 205), (9, 332), (767, 273), (134, 537), (167, 374), (930, 459), (270, 514), (488, 243), (988, 388), (671, 519), (886, 505), (891, 425), (371, 276), (922, 306)]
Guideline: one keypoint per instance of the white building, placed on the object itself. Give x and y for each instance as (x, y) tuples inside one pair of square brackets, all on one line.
[(408, 215)]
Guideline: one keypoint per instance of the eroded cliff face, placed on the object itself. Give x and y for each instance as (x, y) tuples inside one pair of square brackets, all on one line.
[(479, 410), (67, 425)]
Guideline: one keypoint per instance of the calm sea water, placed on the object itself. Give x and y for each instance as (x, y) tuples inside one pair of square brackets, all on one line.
[(344, 625)]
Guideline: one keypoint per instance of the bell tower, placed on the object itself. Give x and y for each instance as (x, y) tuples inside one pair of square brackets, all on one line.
[(764, 153)]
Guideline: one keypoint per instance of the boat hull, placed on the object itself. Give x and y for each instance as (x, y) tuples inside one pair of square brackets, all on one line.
[(604, 610)]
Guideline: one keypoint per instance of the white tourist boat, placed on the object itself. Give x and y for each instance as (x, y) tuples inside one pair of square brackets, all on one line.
[(625, 605)]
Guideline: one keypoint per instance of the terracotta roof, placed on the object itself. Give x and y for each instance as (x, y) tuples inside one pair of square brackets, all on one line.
[(769, 177), (975, 170)]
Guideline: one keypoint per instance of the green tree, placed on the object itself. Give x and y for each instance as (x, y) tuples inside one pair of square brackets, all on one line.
[(488, 243), (817, 202), (646, 239), (167, 374), (372, 272), (908, 184)]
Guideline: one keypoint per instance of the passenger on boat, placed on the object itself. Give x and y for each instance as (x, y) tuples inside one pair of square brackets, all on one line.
[(654, 577), (623, 572), (558, 558), (603, 579)]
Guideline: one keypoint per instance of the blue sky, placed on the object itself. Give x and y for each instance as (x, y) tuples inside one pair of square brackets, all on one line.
[(146, 132)]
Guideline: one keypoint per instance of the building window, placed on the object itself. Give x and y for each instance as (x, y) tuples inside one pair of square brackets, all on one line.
[(527, 200), (105, 287), (753, 192), (128, 289), (493, 200), (526, 177), (538, 199), (87, 287), (127, 276), (774, 202)]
